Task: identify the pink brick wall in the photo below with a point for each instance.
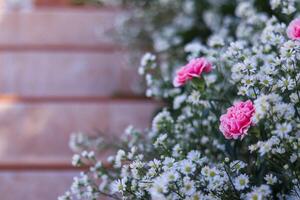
(61, 70)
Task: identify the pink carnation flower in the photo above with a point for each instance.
(293, 30)
(193, 69)
(238, 119)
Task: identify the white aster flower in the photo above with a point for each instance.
(118, 186)
(160, 140)
(194, 98)
(294, 98)
(168, 163)
(178, 101)
(241, 182)
(237, 165)
(76, 160)
(282, 130)
(193, 156)
(171, 175)
(271, 179)
(161, 121)
(187, 167)
(286, 84)
(158, 188)
(293, 157)
(188, 186)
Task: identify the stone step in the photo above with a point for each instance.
(40, 132)
(44, 73)
(60, 28)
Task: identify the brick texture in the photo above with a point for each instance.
(33, 185)
(40, 132)
(60, 27)
(62, 70)
(67, 74)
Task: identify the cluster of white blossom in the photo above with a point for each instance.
(184, 154)
(286, 6)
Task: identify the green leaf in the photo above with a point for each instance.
(198, 84)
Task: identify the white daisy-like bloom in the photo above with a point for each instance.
(278, 150)
(148, 57)
(254, 196)
(267, 146)
(159, 187)
(252, 148)
(194, 156)
(119, 157)
(149, 92)
(294, 98)
(271, 179)
(155, 163)
(76, 160)
(289, 8)
(235, 49)
(287, 51)
(293, 157)
(178, 101)
(284, 110)
(161, 120)
(264, 148)
(210, 173)
(135, 168)
(118, 186)
(216, 41)
(160, 140)
(171, 175)
(194, 49)
(132, 152)
(148, 60)
(188, 186)
(204, 139)
(258, 193)
(187, 167)
(194, 98)
(275, 4)
(262, 107)
(66, 196)
(286, 83)
(243, 91)
(269, 69)
(245, 9)
(149, 79)
(248, 81)
(168, 163)
(241, 182)
(104, 182)
(216, 182)
(198, 196)
(265, 190)
(282, 130)
(237, 165)
(265, 80)
(249, 65)
(176, 151)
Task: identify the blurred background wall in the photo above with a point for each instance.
(61, 70)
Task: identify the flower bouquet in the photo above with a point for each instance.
(231, 125)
